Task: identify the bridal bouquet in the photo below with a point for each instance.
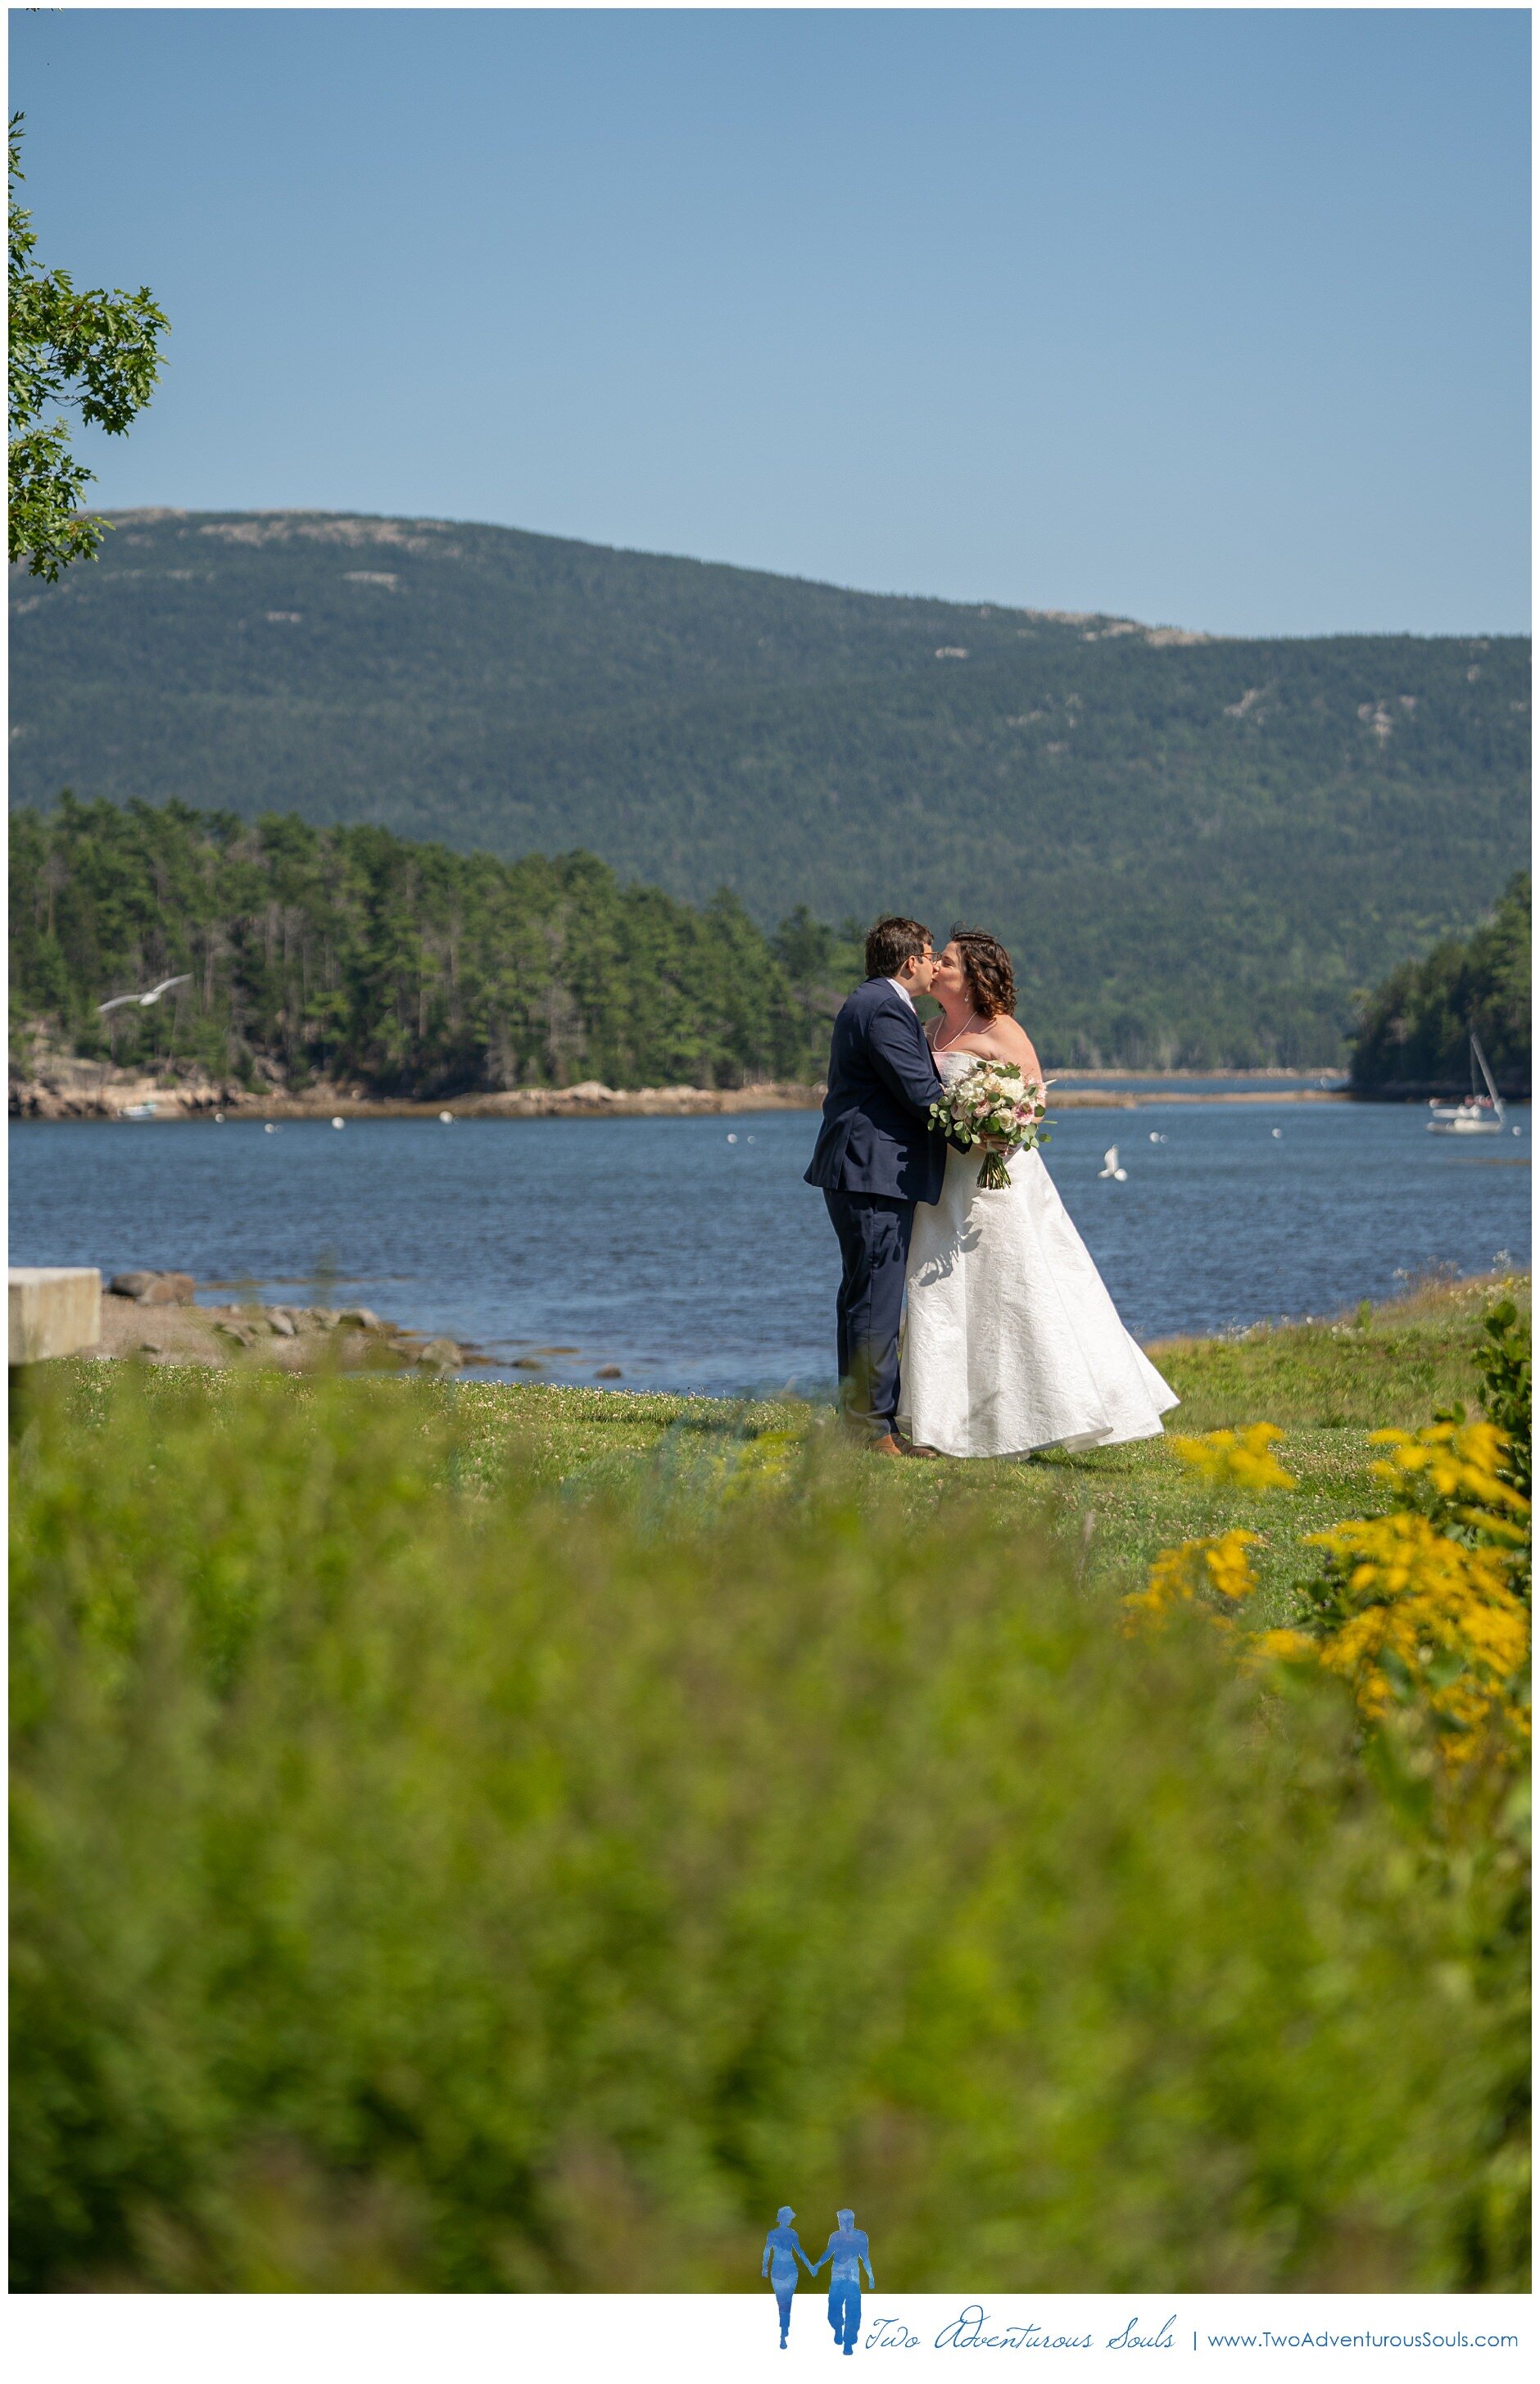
(993, 1104)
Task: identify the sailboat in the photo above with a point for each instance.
(1479, 1112)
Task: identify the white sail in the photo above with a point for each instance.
(1480, 1056)
(1475, 1115)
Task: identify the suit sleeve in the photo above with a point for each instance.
(902, 1058)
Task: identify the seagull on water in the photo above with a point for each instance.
(143, 1000)
(1110, 1166)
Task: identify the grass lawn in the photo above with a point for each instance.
(1326, 1383)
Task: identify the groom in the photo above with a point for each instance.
(876, 1155)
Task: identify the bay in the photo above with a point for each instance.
(689, 1252)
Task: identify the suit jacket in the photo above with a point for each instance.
(876, 1134)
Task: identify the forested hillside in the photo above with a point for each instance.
(1197, 847)
(347, 953)
(1416, 1028)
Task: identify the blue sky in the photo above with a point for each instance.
(1208, 318)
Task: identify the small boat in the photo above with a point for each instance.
(1479, 1112)
(137, 1110)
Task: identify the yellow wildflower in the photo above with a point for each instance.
(1284, 1647)
(1428, 1618)
(1461, 1464)
(1237, 1461)
(1183, 1576)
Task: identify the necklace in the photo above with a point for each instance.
(939, 1046)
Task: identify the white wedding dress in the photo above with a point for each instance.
(1011, 1340)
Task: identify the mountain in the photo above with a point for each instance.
(1197, 847)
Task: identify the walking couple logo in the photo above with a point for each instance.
(848, 2253)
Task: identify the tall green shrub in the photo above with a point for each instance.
(428, 1883)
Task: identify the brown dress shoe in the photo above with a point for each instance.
(886, 1447)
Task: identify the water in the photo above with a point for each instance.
(689, 1252)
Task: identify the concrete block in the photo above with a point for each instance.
(53, 1311)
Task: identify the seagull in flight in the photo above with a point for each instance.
(1110, 1166)
(143, 1000)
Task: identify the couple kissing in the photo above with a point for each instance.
(971, 1320)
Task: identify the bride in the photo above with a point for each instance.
(1011, 1341)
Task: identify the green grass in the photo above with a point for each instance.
(482, 1839)
(1327, 1383)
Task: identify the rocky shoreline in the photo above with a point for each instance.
(59, 1086)
(161, 1104)
(84, 1089)
(151, 1314)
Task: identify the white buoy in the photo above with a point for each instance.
(219, 1119)
(339, 1123)
(269, 1127)
(446, 1117)
(1277, 1133)
(732, 1138)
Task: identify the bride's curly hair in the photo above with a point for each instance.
(986, 966)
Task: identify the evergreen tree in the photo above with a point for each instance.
(403, 967)
(1415, 1032)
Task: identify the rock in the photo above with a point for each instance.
(606, 1373)
(238, 1333)
(280, 1321)
(151, 1288)
(361, 1320)
(443, 1354)
(529, 1365)
(130, 1285)
(326, 1319)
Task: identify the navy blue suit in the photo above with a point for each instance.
(876, 1155)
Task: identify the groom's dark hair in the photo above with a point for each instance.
(893, 941)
